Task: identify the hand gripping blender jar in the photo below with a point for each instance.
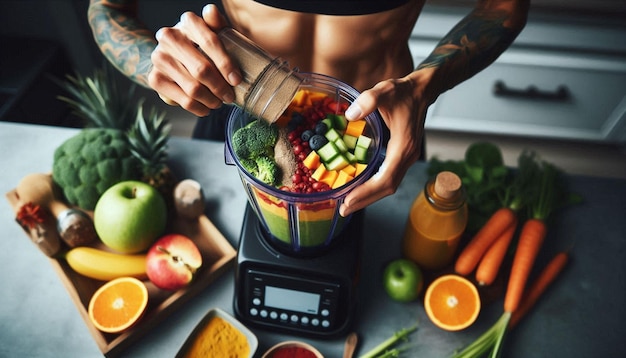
(305, 223)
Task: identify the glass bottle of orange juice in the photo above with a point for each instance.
(436, 222)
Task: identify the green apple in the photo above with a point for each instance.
(403, 280)
(130, 216)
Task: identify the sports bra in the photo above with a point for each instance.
(335, 7)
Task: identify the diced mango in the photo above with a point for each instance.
(312, 161)
(300, 98)
(315, 96)
(319, 173)
(360, 167)
(356, 128)
(329, 177)
(350, 170)
(342, 178)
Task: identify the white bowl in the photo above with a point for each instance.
(216, 312)
(289, 344)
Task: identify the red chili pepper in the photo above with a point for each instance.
(30, 215)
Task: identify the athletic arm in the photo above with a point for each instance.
(474, 43)
(122, 38)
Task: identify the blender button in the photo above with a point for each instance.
(294, 318)
(305, 320)
(315, 322)
(253, 311)
(256, 301)
(283, 316)
(325, 323)
(325, 312)
(273, 315)
(263, 313)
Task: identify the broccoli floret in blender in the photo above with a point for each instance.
(267, 170)
(253, 145)
(254, 140)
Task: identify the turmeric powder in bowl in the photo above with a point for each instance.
(219, 335)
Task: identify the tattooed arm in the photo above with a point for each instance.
(124, 40)
(469, 47)
(475, 42)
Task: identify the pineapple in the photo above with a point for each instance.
(98, 100)
(148, 142)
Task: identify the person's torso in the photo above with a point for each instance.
(358, 49)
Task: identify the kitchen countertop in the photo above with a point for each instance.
(582, 314)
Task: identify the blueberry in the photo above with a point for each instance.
(296, 121)
(306, 135)
(321, 128)
(297, 118)
(317, 141)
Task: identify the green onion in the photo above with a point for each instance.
(490, 341)
(383, 350)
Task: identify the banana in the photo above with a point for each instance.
(104, 265)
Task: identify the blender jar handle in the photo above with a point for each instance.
(228, 157)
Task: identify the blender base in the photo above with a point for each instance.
(310, 296)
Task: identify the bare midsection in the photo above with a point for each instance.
(360, 50)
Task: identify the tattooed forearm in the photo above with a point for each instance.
(122, 38)
(470, 46)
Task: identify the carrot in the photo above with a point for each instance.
(545, 278)
(489, 266)
(530, 240)
(499, 221)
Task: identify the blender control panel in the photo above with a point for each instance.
(292, 302)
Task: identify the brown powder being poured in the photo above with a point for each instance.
(285, 157)
(268, 85)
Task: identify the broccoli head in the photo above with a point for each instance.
(254, 140)
(90, 162)
(267, 170)
(250, 166)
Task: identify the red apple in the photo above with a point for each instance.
(172, 262)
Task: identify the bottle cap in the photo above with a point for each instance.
(447, 184)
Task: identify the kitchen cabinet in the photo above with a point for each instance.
(561, 79)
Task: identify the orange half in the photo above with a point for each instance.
(118, 304)
(452, 302)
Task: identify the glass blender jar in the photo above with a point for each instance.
(304, 223)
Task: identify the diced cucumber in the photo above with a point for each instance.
(351, 157)
(328, 152)
(363, 141)
(350, 141)
(341, 145)
(339, 122)
(361, 154)
(338, 163)
(329, 122)
(332, 135)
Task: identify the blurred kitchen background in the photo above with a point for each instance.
(559, 90)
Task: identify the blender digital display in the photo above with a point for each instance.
(293, 300)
